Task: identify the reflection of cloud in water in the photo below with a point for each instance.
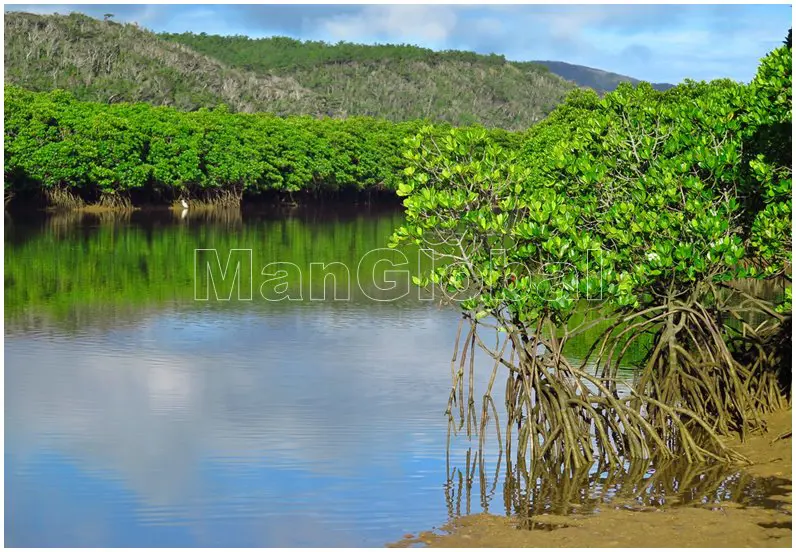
(153, 405)
(170, 389)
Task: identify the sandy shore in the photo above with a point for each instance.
(767, 523)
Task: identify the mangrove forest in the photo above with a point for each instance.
(618, 260)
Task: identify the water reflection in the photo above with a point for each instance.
(137, 417)
(529, 492)
(201, 422)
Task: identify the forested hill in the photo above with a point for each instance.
(597, 79)
(288, 56)
(109, 62)
(398, 82)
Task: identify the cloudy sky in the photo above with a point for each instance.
(663, 43)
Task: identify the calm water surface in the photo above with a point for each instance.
(136, 416)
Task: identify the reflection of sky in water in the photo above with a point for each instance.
(221, 424)
(316, 426)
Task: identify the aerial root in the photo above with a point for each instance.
(570, 417)
(115, 202)
(62, 199)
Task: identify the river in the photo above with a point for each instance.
(136, 415)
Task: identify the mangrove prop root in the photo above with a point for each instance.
(533, 489)
(766, 350)
(115, 202)
(566, 416)
(62, 199)
(724, 381)
(216, 198)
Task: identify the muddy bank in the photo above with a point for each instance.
(761, 521)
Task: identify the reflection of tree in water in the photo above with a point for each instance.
(62, 224)
(145, 259)
(229, 216)
(531, 491)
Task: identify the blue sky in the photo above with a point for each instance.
(663, 43)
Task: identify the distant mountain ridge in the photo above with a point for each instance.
(597, 79)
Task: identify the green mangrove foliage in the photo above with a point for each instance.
(646, 202)
(767, 117)
(72, 150)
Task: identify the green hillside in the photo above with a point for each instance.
(397, 82)
(107, 61)
(111, 62)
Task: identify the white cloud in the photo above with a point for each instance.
(489, 26)
(402, 23)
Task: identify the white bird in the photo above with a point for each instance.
(184, 204)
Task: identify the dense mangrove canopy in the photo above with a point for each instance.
(650, 204)
(57, 145)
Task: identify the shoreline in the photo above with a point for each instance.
(762, 522)
(263, 200)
